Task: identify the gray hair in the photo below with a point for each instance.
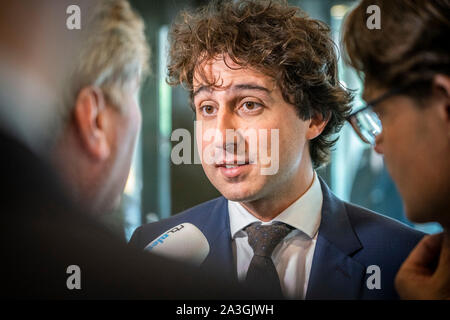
(114, 53)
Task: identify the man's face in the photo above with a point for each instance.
(247, 100)
(123, 132)
(415, 152)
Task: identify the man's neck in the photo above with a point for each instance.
(269, 207)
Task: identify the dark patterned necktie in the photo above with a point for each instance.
(262, 275)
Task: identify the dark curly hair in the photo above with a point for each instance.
(276, 39)
(411, 46)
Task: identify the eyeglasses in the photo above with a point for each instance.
(366, 122)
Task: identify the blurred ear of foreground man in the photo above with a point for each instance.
(67, 104)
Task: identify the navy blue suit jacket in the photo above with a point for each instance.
(350, 240)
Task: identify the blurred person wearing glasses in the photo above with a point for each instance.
(406, 71)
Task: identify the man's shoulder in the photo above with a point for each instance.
(385, 242)
(195, 215)
(370, 225)
(373, 230)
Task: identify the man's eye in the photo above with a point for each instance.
(208, 110)
(251, 106)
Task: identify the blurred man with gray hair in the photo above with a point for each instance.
(101, 118)
(51, 245)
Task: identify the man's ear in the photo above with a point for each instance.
(441, 91)
(89, 121)
(316, 125)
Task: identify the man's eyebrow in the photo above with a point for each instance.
(245, 86)
(200, 89)
(250, 87)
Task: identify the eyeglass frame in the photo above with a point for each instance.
(371, 104)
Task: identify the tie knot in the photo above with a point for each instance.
(264, 239)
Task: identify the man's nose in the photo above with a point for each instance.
(226, 138)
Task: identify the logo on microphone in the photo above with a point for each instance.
(164, 236)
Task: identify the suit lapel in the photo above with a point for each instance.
(334, 274)
(217, 230)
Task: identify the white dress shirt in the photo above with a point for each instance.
(293, 256)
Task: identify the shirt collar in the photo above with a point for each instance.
(304, 214)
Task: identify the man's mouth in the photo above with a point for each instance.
(232, 170)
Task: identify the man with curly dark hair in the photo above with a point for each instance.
(268, 67)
